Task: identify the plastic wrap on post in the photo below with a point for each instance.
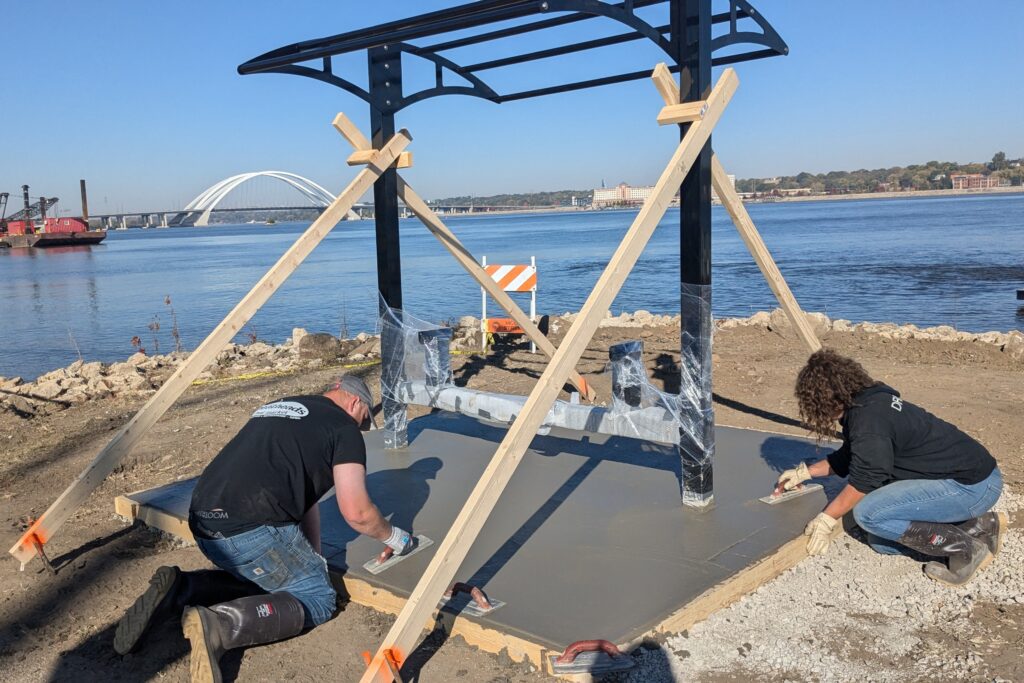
(634, 397)
(412, 350)
(697, 418)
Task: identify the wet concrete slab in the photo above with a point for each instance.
(589, 539)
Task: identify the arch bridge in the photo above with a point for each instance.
(198, 211)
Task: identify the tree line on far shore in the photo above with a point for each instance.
(934, 175)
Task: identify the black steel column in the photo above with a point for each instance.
(385, 71)
(691, 36)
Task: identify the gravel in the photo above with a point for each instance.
(851, 614)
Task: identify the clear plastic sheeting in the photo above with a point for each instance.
(412, 350)
(697, 416)
(639, 409)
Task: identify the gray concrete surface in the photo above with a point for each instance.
(589, 540)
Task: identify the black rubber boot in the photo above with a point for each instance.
(989, 529)
(170, 589)
(240, 623)
(964, 554)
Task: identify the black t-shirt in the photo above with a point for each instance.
(277, 467)
(887, 439)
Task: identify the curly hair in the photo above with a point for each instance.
(825, 388)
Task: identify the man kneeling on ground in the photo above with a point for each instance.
(914, 482)
(254, 515)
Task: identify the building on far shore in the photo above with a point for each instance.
(976, 181)
(624, 194)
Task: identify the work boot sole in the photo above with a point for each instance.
(935, 577)
(139, 617)
(204, 666)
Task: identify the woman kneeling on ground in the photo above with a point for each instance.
(913, 481)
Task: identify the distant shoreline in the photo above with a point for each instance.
(910, 194)
(893, 195)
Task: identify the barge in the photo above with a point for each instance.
(31, 227)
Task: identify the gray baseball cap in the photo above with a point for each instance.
(357, 387)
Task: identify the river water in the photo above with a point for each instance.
(930, 261)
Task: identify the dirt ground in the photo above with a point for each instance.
(55, 628)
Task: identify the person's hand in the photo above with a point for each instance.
(820, 531)
(790, 479)
(400, 542)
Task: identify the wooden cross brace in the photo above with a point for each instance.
(42, 530)
(450, 242)
(405, 632)
(674, 112)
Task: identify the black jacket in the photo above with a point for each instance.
(887, 439)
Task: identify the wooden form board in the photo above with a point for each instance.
(450, 242)
(679, 113)
(405, 632)
(43, 528)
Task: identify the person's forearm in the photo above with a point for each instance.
(820, 469)
(371, 523)
(844, 502)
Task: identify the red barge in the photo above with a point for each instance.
(31, 227)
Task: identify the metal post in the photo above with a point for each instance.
(85, 204)
(626, 358)
(533, 303)
(691, 37)
(385, 71)
(483, 310)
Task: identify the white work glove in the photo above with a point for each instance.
(820, 531)
(790, 479)
(400, 541)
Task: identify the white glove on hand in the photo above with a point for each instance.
(400, 541)
(790, 479)
(820, 531)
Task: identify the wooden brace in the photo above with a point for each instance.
(452, 551)
(42, 529)
(450, 242)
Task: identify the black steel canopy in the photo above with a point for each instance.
(689, 43)
(393, 38)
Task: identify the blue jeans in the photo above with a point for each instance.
(278, 559)
(886, 513)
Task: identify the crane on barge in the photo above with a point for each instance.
(31, 227)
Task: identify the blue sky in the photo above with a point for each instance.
(144, 101)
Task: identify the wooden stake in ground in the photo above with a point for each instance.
(42, 529)
(447, 238)
(405, 632)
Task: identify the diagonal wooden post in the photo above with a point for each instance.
(450, 242)
(676, 113)
(445, 236)
(405, 632)
(42, 529)
(752, 238)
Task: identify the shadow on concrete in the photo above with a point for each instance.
(400, 494)
(783, 453)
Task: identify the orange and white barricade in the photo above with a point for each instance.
(516, 278)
